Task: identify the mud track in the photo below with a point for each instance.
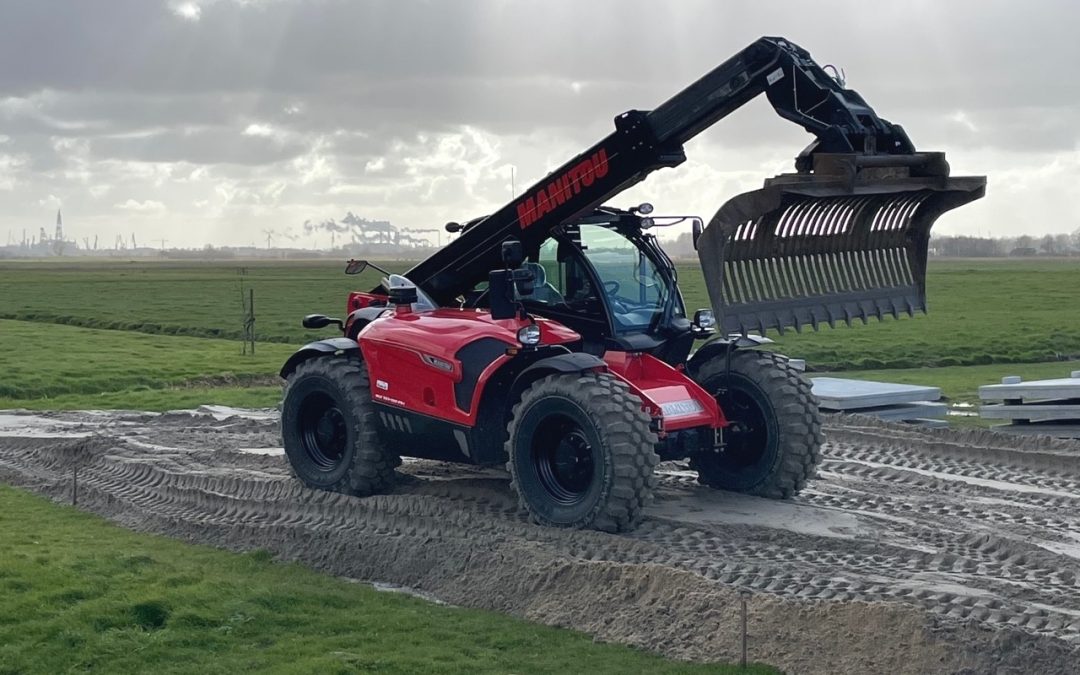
(913, 552)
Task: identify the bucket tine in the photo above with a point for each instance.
(807, 249)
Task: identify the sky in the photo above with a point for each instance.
(213, 121)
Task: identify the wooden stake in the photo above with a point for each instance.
(742, 661)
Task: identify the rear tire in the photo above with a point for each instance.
(581, 452)
(774, 444)
(329, 428)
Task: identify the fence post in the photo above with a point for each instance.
(251, 319)
(742, 660)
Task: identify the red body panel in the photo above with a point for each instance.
(359, 300)
(412, 362)
(666, 392)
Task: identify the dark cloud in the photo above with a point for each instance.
(412, 107)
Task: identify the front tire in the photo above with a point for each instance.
(773, 445)
(329, 428)
(581, 452)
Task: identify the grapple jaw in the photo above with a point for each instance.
(847, 241)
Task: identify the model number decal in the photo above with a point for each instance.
(387, 399)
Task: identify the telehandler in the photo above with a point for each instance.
(551, 335)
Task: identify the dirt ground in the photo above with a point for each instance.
(915, 551)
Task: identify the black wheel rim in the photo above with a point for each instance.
(323, 432)
(746, 439)
(563, 457)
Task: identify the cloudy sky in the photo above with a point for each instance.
(212, 120)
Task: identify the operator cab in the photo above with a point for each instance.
(608, 279)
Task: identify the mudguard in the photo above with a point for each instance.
(574, 362)
(365, 315)
(338, 345)
(722, 346)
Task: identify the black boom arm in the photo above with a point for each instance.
(797, 87)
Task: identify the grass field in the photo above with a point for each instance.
(78, 594)
(981, 311)
(58, 367)
(172, 353)
(184, 298)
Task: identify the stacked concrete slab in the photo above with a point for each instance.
(1048, 407)
(884, 400)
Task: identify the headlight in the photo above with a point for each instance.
(529, 335)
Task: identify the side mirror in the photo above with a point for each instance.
(358, 266)
(316, 321)
(513, 254)
(704, 321)
(696, 228)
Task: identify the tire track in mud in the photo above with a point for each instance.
(923, 542)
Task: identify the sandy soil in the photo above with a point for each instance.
(916, 551)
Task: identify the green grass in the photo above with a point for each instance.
(51, 366)
(180, 298)
(79, 594)
(981, 312)
(997, 311)
(155, 400)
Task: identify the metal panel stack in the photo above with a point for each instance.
(1047, 407)
(884, 400)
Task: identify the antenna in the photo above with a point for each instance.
(513, 189)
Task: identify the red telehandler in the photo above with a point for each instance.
(551, 335)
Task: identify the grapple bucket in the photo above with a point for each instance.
(848, 241)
